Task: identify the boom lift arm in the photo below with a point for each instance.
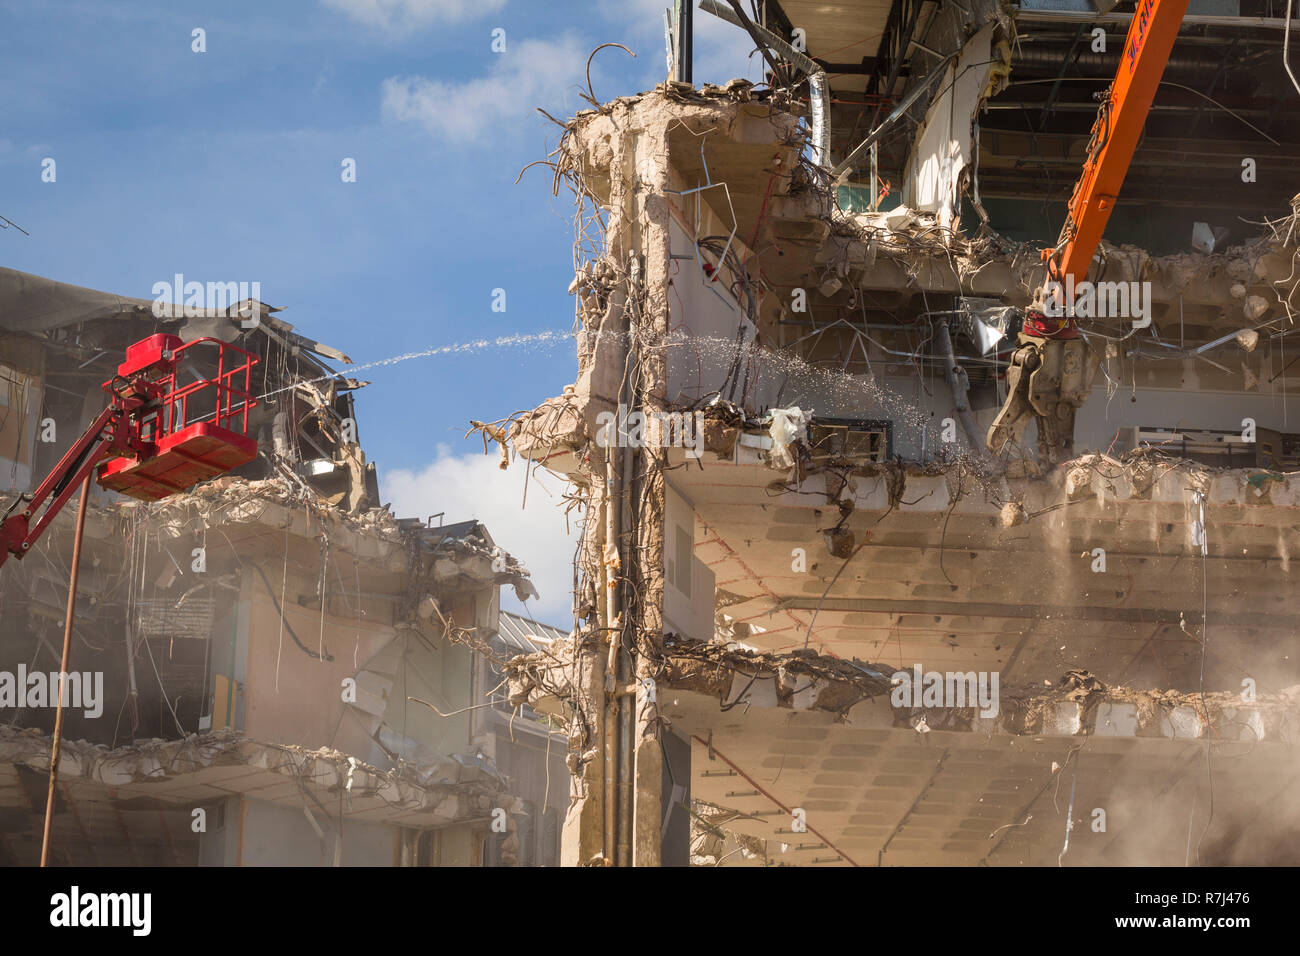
(165, 436)
(110, 432)
(1051, 370)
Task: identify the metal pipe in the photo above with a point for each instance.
(1123, 19)
(819, 100)
(609, 700)
(1286, 43)
(961, 398)
(626, 711)
(958, 383)
(684, 37)
(875, 175)
(132, 689)
(625, 670)
(847, 164)
(56, 744)
(617, 763)
(1019, 107)
(612, 702)
(1196, 60)
(819, 107)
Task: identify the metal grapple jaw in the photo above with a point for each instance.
(1047, 380)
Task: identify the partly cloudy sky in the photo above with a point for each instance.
(225, 166)
(473, 486)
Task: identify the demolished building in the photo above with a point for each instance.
(796, 303)
(275, 680)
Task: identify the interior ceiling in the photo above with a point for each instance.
(954, 590)
(845, 38)
(146, 822)
(1224, 96)
(90, 826)
(841, 33)
(894, 797)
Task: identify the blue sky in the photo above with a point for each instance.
(225, 166)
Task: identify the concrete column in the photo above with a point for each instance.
(582, 838)
(652, 336)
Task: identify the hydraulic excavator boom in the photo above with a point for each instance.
(1050, 372)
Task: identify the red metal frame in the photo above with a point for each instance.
(156, 449)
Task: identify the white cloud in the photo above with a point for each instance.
(410, 15)
(549, 72)
(529, 74)
(472, 486)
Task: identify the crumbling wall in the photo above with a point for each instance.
(876, 286)
(618, 159)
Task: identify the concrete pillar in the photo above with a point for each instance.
(649, 493)
(636, 248)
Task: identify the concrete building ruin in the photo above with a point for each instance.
(795, 303)
(283, 669)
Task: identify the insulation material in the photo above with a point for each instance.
(789, 426)
(191, 617)
(944, 142)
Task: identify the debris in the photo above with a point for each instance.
(789, 427)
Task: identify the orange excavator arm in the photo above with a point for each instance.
(1115, 135)
(1050, 373)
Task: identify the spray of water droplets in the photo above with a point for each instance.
(460, 348)
(798, 381)
(792, 379)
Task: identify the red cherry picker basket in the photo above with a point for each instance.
(160, 434)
